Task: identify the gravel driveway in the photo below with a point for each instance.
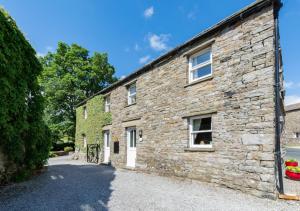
(75, 185)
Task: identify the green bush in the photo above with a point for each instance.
(68, 149)
(25, 138)
(52, 155)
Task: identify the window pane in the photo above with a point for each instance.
(205, 124)
(131, 138)
(196, 124)
(134, 138)
(107, 104)
(201, 58)
(202, 124)
(132, 89)
(133, 98)
(202, 138)
(107, 100)
(107, 139)
(202, 71)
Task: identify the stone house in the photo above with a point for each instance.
(204, 110)
(292, 125)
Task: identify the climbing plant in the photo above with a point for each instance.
(24, 136)
(92, 126)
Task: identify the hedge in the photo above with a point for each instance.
(24, 136)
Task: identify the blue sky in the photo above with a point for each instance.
(134, 32)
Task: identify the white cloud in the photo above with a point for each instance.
(144, 59)
(291, 85)
(123, 76)
(288, 85)
(39, 54)
(291, 99)
(159, 42)
(137, 47)
(192, 15)
(149, 12)
(49, 48)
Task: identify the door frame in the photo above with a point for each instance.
(107, 138)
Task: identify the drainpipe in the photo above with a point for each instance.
(277, 5)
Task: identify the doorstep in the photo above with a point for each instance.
(289, 197)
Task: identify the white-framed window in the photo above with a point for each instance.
(131, 94)
(200, 129)
(297, 135)
(85, 112)
(84, 140)
(200, 65)
(107, 103)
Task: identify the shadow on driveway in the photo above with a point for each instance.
(63, 187)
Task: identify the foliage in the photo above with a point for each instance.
(68, 149)
(52, 155)
(60, 145)
(24, 135)
(70, 75)
(291, 160)
(293, 169)
(92, 126)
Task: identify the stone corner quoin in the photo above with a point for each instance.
(238, 97)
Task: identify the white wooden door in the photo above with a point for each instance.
(106, 146)
(131, 146)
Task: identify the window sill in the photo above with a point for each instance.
(130, 105)
(199, 81)
(199, 149)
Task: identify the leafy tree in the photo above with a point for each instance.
(70, 75)
(24, 135)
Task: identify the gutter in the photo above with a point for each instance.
(278, 109)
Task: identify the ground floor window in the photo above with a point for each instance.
(84, 140)
(200, 129)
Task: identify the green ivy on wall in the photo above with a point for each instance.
(92, 126)
(25, 139)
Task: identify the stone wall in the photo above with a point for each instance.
(2, 167)
(292, 126)
(7, 168)
(239, 96)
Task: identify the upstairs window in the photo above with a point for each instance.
(200, 65)
(107, 104)
(297, 135)
(201, 131)
(132, 94)
(85, 112)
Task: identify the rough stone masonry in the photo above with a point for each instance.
(239, 97)
(291, 134)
